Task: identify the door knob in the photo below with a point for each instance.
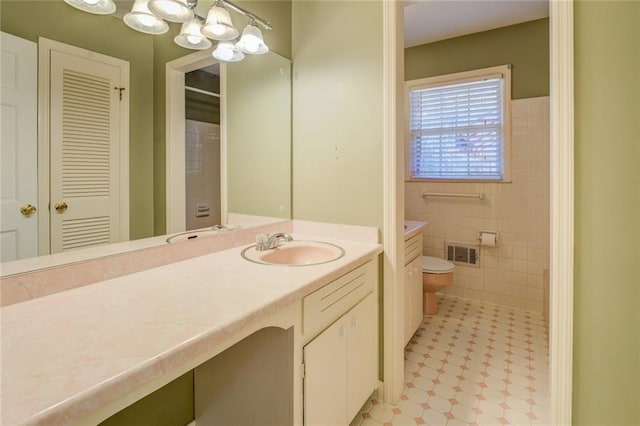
(61, 206)
(28, 210)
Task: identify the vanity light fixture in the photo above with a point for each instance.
(251, 41)
(226, 52)
(191, 37)
(99, 7)
(141, 19)
(173, 10)
(149, 16)
(218, 25)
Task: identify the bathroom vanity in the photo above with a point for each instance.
(249, 331)
(412, 277)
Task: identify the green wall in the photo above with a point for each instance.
(171, 405)
(525, 46)
(259, 161)
(338, 112)
(606, 374)
(107, 35)
(165, 50)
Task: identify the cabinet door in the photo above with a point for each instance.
(408, 293)
(362, 354)
(416, 295)
(325, 381)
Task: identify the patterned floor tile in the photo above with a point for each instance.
(471, 364)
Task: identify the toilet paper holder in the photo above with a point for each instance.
(488, 238)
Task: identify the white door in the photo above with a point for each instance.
(18, 231)
(85, 113)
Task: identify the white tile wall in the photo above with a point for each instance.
(202, 173)
(511, 273)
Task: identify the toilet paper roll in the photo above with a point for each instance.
(487, 239)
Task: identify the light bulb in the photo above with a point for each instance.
(218, 25)
(146, 20)
(98, 7)
(217, 29)
(194, 39)
(171, 10)
(141, 19)
(251, 44)
(251, 41)
(226, 54)
(190, 36)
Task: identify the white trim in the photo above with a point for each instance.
(175, 136)
(562, 210)
(44, 69)
(45, 46)
(224, 190)
(393, 297)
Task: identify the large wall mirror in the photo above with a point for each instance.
(253, 127)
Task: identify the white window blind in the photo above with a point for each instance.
(457, 130)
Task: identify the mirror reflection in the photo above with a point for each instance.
(236, 138)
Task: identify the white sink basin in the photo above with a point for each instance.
(295, 253)
(192, 235)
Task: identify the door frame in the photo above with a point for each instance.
(45, 46)
(561, 215)
(175, 137)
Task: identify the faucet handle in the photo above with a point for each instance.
(262, 241)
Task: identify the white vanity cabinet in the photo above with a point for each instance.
(412, 285)
(341, 357)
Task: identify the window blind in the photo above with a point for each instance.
(456, 130)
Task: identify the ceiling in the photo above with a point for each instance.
(426, 21)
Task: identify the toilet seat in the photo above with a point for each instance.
(433, 265)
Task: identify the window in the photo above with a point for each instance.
(459, 126)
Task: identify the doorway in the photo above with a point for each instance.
(176, 176)
(202, 148)
(561, 195)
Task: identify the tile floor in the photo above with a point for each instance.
(471, 364)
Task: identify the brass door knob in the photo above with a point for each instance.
(28, 210)
(61, 206)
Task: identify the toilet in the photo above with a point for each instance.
(436, 275)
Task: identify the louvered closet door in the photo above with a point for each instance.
(84, 152)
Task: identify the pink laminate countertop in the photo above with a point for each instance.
(67, 355)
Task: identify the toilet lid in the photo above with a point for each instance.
(434, 265)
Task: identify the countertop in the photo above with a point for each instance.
(412, 228)
(67, 355)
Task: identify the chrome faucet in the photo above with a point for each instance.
(264, 242)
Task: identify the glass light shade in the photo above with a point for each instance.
(190, 36)
(218, 25)
(141, 19)
(99, 7)
(251, 41)
(226, 52)
(171, 10)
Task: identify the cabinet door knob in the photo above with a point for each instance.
(61, 206)
(27, 210)
(354, 322)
